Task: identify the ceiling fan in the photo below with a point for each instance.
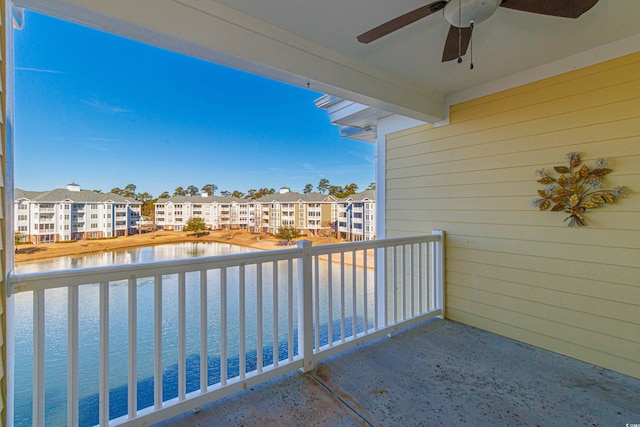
(464, 14)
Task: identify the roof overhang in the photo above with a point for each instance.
(312, 44)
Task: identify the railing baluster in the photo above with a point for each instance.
(104, 354)
(412, 280)
(330, 300)
(276, 355)
(379, 289)
(157, 342)
(421, 281)
(290, 308)
(132, 389)
(72, 348)
(365, 297)
(403, 271)
(223, 326)
(204, 328)
(242, 313)
(394, 266)
(260, 361)
(385, 294)
(354, 290)
(429, 275)
(38, 358)
(316, 311)
(182, 337)
(342, 310)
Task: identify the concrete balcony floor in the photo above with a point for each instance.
(438, 373)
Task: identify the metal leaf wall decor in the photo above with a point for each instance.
(576, 189)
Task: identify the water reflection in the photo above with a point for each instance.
(133, 256)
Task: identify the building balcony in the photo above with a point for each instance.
(429, 372)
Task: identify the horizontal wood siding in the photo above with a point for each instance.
(512, 269)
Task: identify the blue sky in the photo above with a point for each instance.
(104, 111)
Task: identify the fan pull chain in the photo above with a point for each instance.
(459, 31)
(471, 41)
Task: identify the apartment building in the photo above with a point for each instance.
(218, 213)
(357, 219)
(314, 214)
(71, 213)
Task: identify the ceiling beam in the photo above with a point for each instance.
(216, 33)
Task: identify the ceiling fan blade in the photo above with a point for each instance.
(401, 21)
(453, 48)
(561, 8)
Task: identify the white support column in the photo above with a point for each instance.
(305, 306)
(387, 125)
(6, 210)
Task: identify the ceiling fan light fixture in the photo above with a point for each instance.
(461, 13)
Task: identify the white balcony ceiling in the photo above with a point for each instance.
(315, 41)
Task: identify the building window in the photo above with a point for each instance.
(22, 217)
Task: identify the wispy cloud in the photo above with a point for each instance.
(100, 143)
(103, 139)
(105, 107)
(367, 157)
(97, 147)
(306, 166)
(39, 70)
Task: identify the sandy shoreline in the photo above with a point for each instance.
(34, 253)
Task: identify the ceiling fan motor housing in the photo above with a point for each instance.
(460, 13)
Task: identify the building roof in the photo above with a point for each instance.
(292, 197)
(200, 199)
(288, 197)
(361, 196)
(63, 194)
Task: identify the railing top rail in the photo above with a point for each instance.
(76, 277)
(373, 244)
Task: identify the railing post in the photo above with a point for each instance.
(439, 271)
(305, 306)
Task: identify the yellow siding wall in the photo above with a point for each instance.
(514, 270)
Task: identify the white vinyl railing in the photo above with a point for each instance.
(239, 320)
